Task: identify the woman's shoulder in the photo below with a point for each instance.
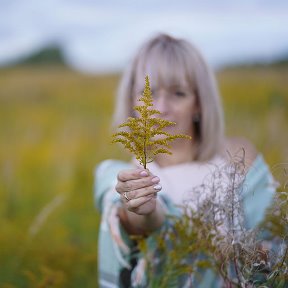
(241, 146)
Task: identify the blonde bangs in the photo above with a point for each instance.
(165, 66)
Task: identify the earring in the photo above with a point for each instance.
(196, 118)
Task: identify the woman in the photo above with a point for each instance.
(184, 91)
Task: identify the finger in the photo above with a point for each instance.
(133, 204)
(137, 184)
(132, 174)
(146, 191)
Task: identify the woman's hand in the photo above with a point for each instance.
(138, 189)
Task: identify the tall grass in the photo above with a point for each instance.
(54, 128)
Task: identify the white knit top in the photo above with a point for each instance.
(178, 180)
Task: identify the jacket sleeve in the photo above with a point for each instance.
(105, 179)
(259, 189)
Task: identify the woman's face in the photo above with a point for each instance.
(176, 103)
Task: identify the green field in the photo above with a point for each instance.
(55, 127)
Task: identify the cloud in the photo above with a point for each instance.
(102, 35)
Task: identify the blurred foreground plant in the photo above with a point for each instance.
(211, 235)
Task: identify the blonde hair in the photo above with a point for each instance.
(169, 60)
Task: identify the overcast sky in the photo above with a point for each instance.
(101, 36)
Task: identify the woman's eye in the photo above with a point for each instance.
(180, 93)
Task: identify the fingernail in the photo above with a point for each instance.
(143, 173)
(155, 179)
(158, 187)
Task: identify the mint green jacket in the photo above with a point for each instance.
(115, 257)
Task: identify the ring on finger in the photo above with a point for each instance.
(126, 196)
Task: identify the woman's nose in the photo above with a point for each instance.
(161, 103)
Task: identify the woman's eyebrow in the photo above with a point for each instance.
(178, 86)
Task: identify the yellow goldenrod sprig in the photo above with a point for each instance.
(140, 139)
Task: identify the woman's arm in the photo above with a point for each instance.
(142, 224)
